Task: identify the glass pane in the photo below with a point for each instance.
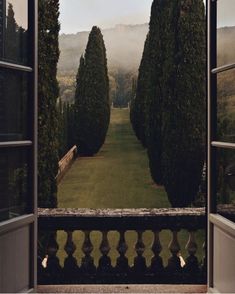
(225, 32)
(14, 30)
(226, 106)
(13, 183)
(13, 105)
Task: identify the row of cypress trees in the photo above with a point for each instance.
(168, 110)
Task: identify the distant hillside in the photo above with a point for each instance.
(226, 45)
(124, 45)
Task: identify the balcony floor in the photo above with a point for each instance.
(122, 289)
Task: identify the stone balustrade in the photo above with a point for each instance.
(85, 271)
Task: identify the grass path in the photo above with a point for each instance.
(117, 177)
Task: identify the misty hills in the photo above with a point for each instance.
(124, 45)
(226, 45)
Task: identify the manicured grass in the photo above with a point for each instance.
(117, 177)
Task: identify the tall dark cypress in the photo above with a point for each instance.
(137, 111)
(161, 52)
(184, 142)
(80, 80)
(92, 96)
(48, 92)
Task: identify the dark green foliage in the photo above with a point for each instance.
(184, 121)
(80, 80)
(161, 43)
(137, 113)
(92, 105)
(123, 90)
(67, 140)
(168, 112)
(48, 92)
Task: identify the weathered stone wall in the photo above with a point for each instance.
(65, 163)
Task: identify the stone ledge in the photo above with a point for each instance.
(123, 289)
(122, 219)
(140, 212)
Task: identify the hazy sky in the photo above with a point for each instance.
(226, 10)
(80, 15)
(20, 10)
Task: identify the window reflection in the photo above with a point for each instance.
(226, 183)
(225, 32)
(13, 183)
(13, 30)
(226, 106)
(13, 105)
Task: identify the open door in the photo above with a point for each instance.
(18, 145)
(221, 146)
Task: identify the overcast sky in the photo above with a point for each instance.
(80, 15)
(20, 10)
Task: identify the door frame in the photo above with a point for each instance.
(214, 220)
(28, 220)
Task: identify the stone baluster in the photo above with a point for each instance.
(139, 260)
(122, 261)
(156, 262)
(53, 269)
(105, 266)
(174, 264)
(192, 265)
(70, 264)
(87, 264)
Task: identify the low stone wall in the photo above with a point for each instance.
(65, 163)
(120, 268)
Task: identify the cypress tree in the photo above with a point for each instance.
(79, 80)
(92, 99)
(137, 113)
(184, 122)
(48, 92)
(161, 52)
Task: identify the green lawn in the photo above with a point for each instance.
(117, 177)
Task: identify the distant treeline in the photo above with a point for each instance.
(120, 86)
